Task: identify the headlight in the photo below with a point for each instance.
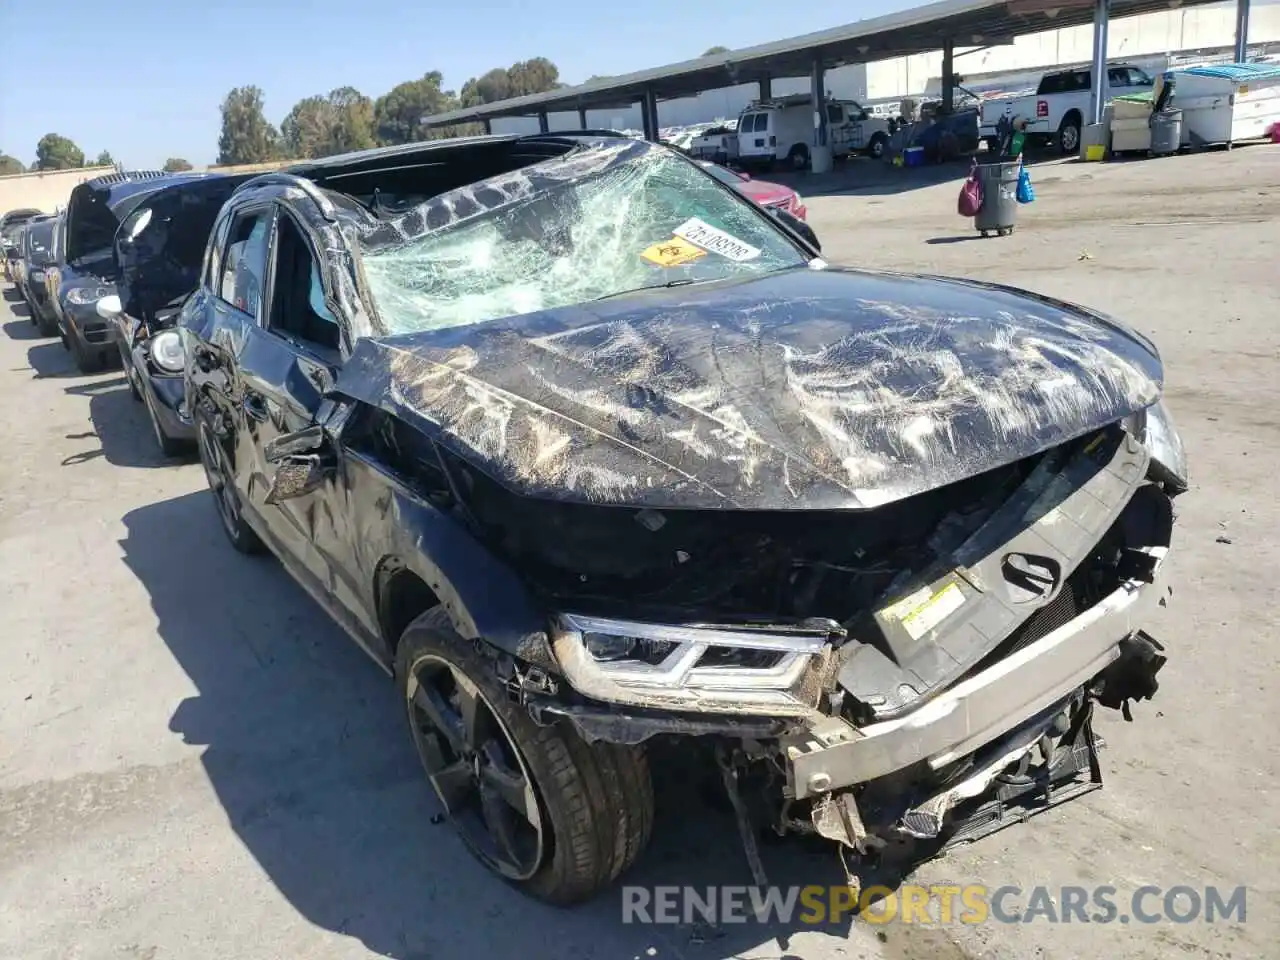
(86, 295)
(37, 276)
(691, 668)
(166, 351)
(1165, 446)
(797, 201)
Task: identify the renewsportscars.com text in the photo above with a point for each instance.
(934, 904)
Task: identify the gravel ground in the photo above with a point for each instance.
(194, 763)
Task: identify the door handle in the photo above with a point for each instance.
(254, 405)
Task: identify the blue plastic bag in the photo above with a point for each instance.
(1026, 194)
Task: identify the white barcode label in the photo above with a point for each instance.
(717, 241)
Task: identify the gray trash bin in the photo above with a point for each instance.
(999, 211)
(1166, 132)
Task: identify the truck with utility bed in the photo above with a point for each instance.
(1055, 113)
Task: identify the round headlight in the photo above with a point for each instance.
(166, 351)
(89, 294)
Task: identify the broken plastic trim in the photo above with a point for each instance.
(677, 681)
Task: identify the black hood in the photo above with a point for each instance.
(801, 390)
(97, 206)
(161, 265)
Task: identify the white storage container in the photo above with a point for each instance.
(1227, 102)
(1130, 123)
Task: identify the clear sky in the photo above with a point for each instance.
(144, 79)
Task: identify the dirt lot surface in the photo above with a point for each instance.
(194, 763)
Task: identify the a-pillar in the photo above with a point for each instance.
(543, 126)
(582, 118)
(649, 114)
(1098, 83)
(820, 150)
(766, 88)
(1242, 30)
(948, 76)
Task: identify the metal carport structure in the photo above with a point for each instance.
(937, 26)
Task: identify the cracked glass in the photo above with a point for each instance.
(651, 220)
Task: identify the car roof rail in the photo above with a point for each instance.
(280, 178)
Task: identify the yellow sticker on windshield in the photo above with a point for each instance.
(673, 252)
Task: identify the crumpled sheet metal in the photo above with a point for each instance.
(804, 389)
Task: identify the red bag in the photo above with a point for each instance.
(970, 195)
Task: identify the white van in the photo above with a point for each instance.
(782, 130)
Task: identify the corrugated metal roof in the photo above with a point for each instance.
(919, 30)
(1236, 72)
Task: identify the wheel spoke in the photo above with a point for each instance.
(455, 785)
(511, 788)
(469, 710)
(427, 699)
(501, 823)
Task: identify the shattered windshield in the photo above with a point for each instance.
(647, 219)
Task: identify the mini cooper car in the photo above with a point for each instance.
(585, 448)
(86, 265)
(158, 251)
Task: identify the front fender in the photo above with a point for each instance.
(485, 598)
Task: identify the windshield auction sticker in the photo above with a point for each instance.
(717, 241)
(672, 253)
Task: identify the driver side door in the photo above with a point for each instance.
(287, 363)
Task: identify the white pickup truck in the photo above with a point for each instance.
(1057, 109)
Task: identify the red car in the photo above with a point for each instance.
(763, 192)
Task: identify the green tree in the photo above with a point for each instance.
(712, 51)
(322, 126)
(56, 152)
(176, 165)
(10, 165)
(520, 79)
(494, 85)
(307, 128)
(398, 114)
(353, 123)
(104, 159)
(246, 135)
(532, 76)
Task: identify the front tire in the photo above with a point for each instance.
(86, 360)
(226, 499)
(553, 815)
(875, 149)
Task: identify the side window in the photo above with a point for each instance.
(1084, 80)
(298, 310)
(243, 271)
(1118, 77)
(834, 113)
(213, 256)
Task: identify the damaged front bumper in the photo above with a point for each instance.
(833, 753)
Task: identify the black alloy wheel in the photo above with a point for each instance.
(217, 470)
(475, 767)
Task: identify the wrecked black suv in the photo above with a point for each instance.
(587, 449)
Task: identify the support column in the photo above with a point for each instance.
(948, 76)
(1098, 84)
(582, 118)
(818, 97)
(488, 125)
(543, 127)
(649, 110)
(820, 150)
(1242, 30)
(766, 88)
